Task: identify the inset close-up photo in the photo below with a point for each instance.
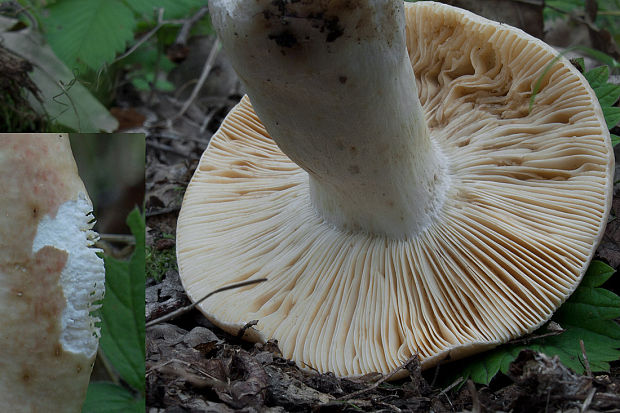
(271, 206)
(71, 272)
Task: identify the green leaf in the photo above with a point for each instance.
(597, 76)
(612, 115)
(607, 93)
(141, 65)
(122, 313)
(598, 273)
(588, 315)
(89, 32)
(615, 139)
(103, 397)
(74, 107)
(483, 367)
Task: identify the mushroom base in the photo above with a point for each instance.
(398, 204)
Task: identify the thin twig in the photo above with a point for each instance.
(155, 367)
(163, 211)
(390, 406)
(160, 23)
(119, 238)
(206, 69)
(243, 329)
(475, 400)
(527, 340)
(435, 374)
(189, 23)
(585, 358)
(190, 307)
(588, 400)
(314, 369)
(381, 380)
(450, 387)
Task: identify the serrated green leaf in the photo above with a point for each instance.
(612, 115)
(172, 8)
(103, 397)
(89, 32)
(483, 367)
(588, 315)
(597, 76)
(598, 273)
(607, 94)
(600, 349)
(615, 139)
(122, 313)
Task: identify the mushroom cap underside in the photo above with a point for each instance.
(529, 195)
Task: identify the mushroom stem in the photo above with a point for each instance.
(333, 85)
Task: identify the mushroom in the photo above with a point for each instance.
(51, 278)
(391, 182)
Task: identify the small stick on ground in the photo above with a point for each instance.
(187, 26)
(435, 374)
(588, 400)
(118, 238)
(585, 359)
(312, 368)
(190, 307)
(527, 340)
(450, 387)
(206, 69)
(160, 23)
(380, 381)
(475, 401)
(243, 329)
(389, 406)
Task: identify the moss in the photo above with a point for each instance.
(160, 261)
